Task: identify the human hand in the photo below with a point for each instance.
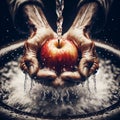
(87, 66)
(29, 62)
(89, 62)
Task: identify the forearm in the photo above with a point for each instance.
(16, 8)
(92, 16)
(34, 17)
(105, 5)
(81, 27)
(85, 17)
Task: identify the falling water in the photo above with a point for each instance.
(88, 85)
(94, 80)
(26, 85)
(31, 86)
(59, 11)
(25, 81)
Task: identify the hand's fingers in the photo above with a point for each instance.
(94, 67)
(34, 66)
(72, 76)
(46, 74)
(23, 65)
(89, 62)
(84, 67)
(88, 66)
(29, 64)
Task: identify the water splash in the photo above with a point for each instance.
(28, 85)
(108, 87)
(59, 11)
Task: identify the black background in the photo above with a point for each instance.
(110, 34)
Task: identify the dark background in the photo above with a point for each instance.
(110, 34)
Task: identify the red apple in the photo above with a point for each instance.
(59, 55)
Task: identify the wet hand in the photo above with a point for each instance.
(29, 62)
(89, 62)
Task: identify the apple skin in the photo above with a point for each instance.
(59, 56)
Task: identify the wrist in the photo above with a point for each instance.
(34, 17)
(87, 48)
(78, 35)
(41, 35)
(85, 15)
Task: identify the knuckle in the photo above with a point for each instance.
(23, 67)
(94, 68)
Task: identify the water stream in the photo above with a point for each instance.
(59, 12)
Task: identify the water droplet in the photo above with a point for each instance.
(64, 69)
(43, 63)
(71, 66)
(44, 59)
(7, 31)
(54, 67)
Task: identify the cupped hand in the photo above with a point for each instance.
(29, 62)
(89, 62)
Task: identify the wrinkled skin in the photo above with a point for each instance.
(88, 64)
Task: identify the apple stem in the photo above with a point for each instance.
(58, 43)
